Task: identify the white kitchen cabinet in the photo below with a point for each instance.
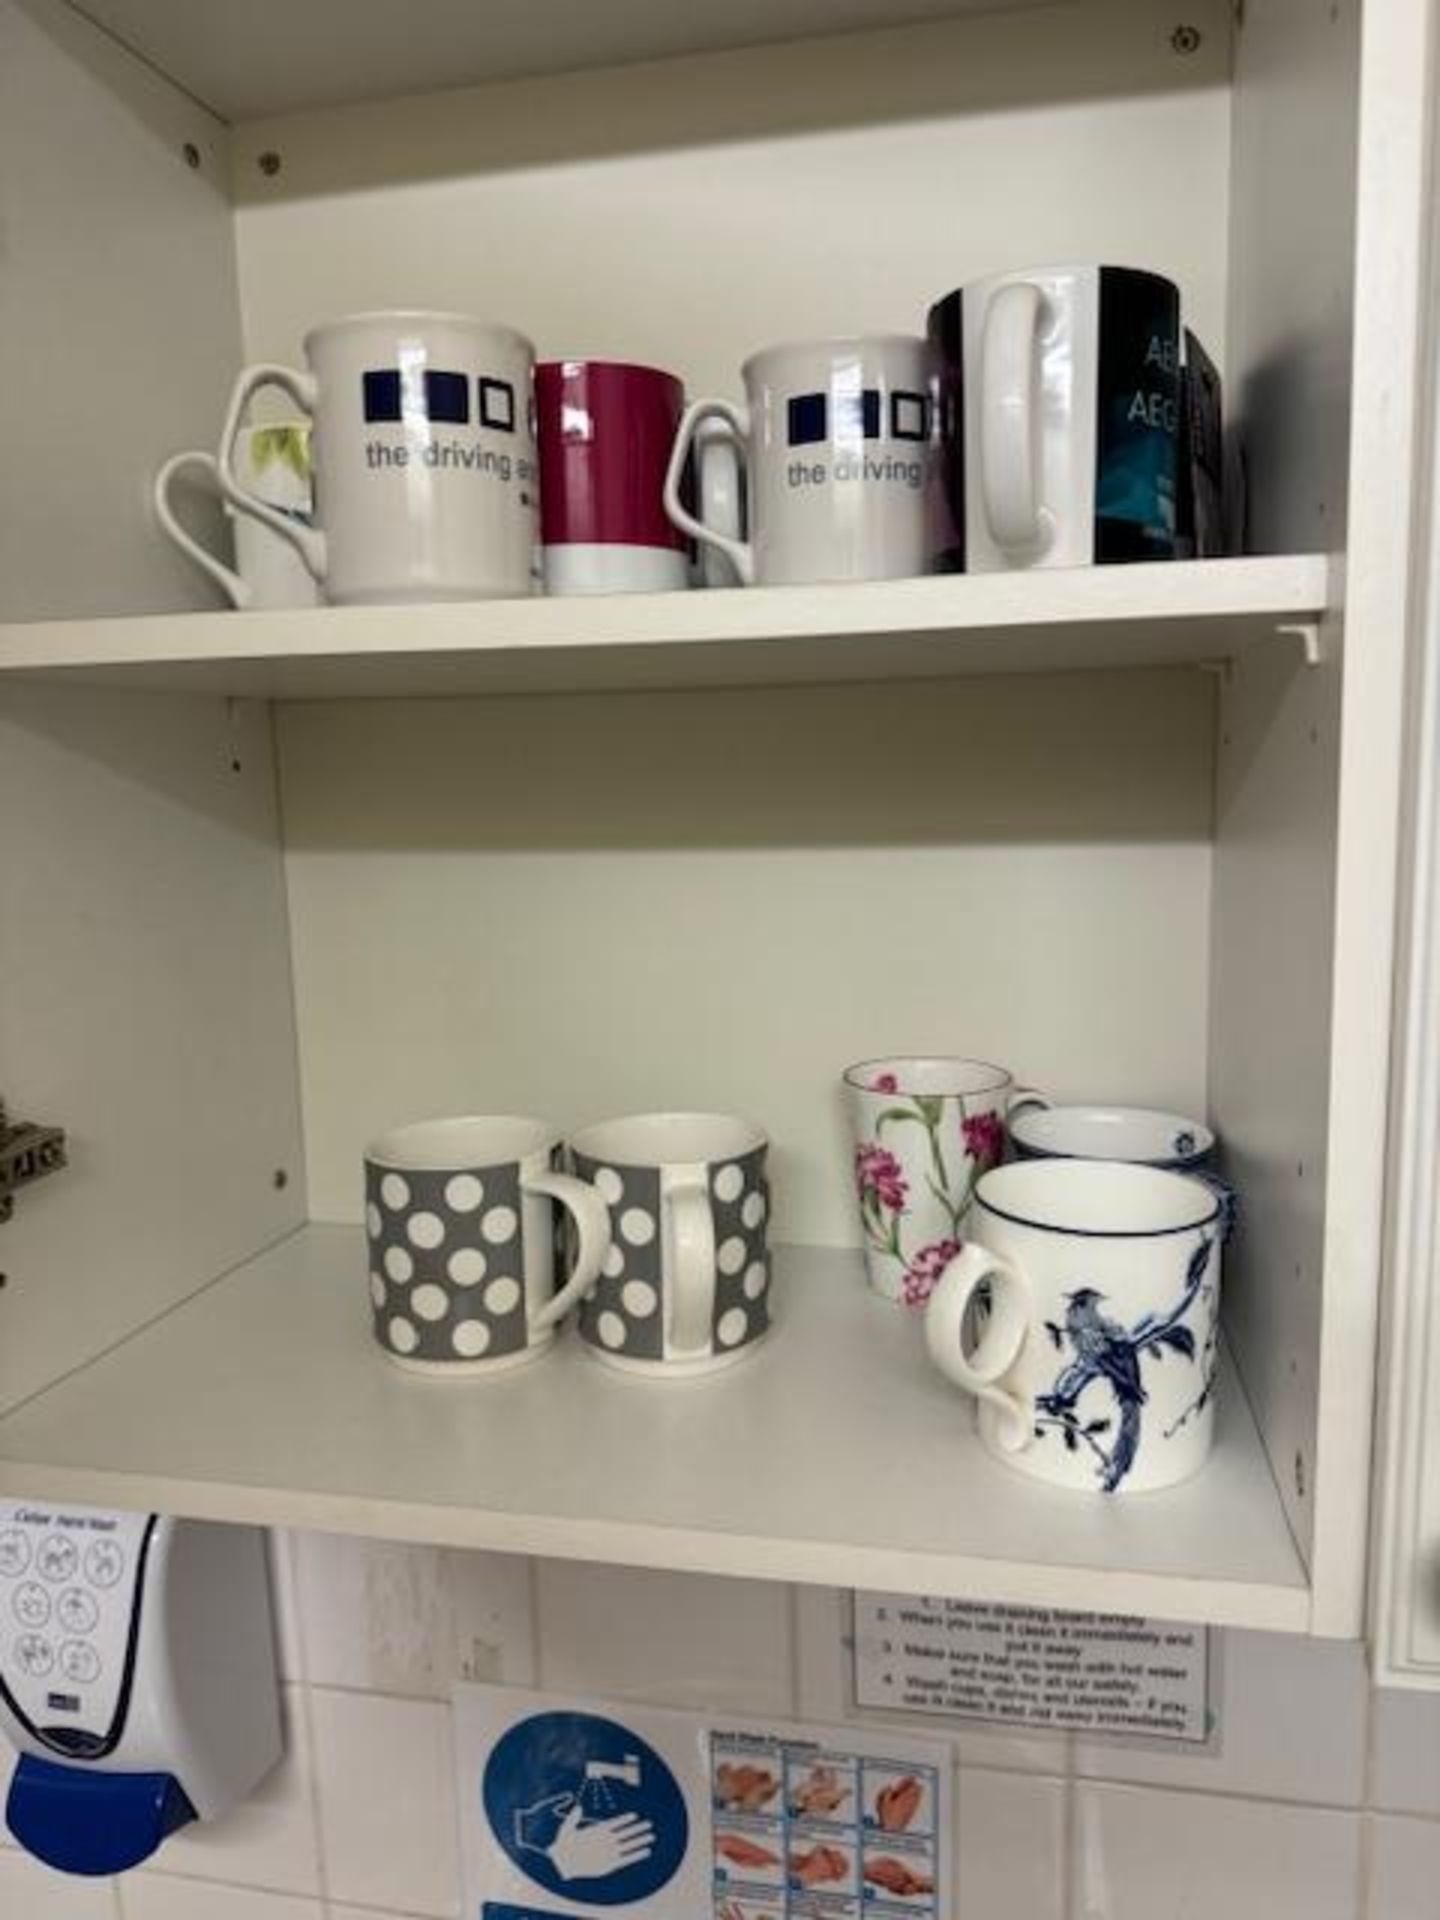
(273, 882)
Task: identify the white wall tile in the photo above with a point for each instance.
(29, 1891)
(1405, 1770)
(672, 1639)
(825, 1691)
(387, 1802)
(268, 1840)
(1139, 1854)
(389, 1618)
(1010, 1846)
(1404, 1869)
(280, 1551)
(149, 1896)
(1291, 1716)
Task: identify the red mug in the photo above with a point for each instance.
(605, 431)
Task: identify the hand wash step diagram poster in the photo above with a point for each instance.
(577, 1810)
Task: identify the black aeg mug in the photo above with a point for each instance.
(1059, 405)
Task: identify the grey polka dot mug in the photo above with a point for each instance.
(460, 1221)
(685, 1286)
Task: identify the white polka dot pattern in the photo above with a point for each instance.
(637, 1226)
(435, 1235)
(732, 1327)
(425, 1230)
(470, 1339)
(639, 1299)
(499, 1225)
(429, 1302)
(464, 1193)
(729, 1183)
(502, 1296)
(466, 1267)
(730, 1257)
(624, 1313)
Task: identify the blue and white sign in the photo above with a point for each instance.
(578, 1810)
(586, 1808)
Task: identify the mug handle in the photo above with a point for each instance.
(1226, 1195)
(1022, 1097)
(592, 1225)
(1009, 477)
(236, 590)
(740, 553)
(720, 491)
(1002, 1338)
(692, 1299)
(308, 542)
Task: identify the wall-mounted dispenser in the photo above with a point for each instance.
(137, 1678)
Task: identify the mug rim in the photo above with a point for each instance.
(756, 1138)
(1052, 269)
(385, 1149)
(1020, 1125)
(1103, 1173)
(569, 363)
(1003, 1077)
(831, 343)
(417, 316)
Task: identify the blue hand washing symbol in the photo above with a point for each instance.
(585, 1808)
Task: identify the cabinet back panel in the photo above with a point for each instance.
(687, 212)
(578, 906)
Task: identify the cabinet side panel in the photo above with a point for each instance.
(119, 321)
(1291, 282)
(145, 1006)
(1270, 1012)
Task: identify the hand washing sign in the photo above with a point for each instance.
(576, 1811)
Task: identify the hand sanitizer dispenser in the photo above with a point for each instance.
(137, 1678)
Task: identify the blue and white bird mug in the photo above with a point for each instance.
(1095, 1366)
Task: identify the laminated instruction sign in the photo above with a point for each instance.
(573, 1810)
(1032, 1666)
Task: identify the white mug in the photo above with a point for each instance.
(1060, 436)
(425, 462)
(839, 457)
(268, 573)
(685, 1287)
(925, 1128)
(460, 1224)
(1093, 1349)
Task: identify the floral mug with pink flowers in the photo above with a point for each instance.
(925, 1130)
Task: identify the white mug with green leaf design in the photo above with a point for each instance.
(268, 572)
(925, 1130)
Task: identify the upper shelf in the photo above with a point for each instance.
(1162, 614)
(269, 56)
(835, 1455)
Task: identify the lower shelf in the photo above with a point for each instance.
(835, 1455)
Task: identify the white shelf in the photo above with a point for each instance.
(1090, 617)
(836, 1454)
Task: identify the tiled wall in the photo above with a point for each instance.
(1322, 1801)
